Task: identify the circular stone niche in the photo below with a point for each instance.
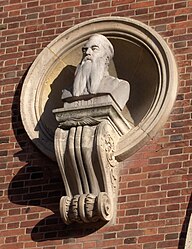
(141, 57)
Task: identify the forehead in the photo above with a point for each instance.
(97, 41)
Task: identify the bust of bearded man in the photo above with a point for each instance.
(92, 76)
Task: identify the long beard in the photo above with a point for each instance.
(88, 76)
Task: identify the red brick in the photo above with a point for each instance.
(142, 4)
(12, 246)
(18, 6)
(121, 2)
(173, 214)
(13, 225)
(160, 2)
(11, 239)
(111, 242)
(134, 246)
(153, 195)
(104, 11)
(133, 190)
(131, 219)
(32, 4)
(88, 245)
(146, 239)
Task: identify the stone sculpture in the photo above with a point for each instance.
(92, 76)
(90, 125)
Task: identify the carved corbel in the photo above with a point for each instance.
(85, 141)
(142, 56)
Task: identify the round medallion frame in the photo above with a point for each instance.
(142, 57)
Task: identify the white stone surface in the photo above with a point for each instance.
(188, 242)
(85, 143)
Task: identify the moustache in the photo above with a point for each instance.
(88, 58)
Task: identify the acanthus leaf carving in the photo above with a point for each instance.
(79, 122)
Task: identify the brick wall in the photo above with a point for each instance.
(154, 201)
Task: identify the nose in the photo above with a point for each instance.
(88, 51)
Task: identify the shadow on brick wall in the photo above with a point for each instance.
(37, 187)
(183, 234)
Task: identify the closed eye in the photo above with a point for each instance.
(95, 47)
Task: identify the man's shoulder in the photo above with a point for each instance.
(118, 88)
(116, 82)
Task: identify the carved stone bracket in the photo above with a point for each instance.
(85, 141)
